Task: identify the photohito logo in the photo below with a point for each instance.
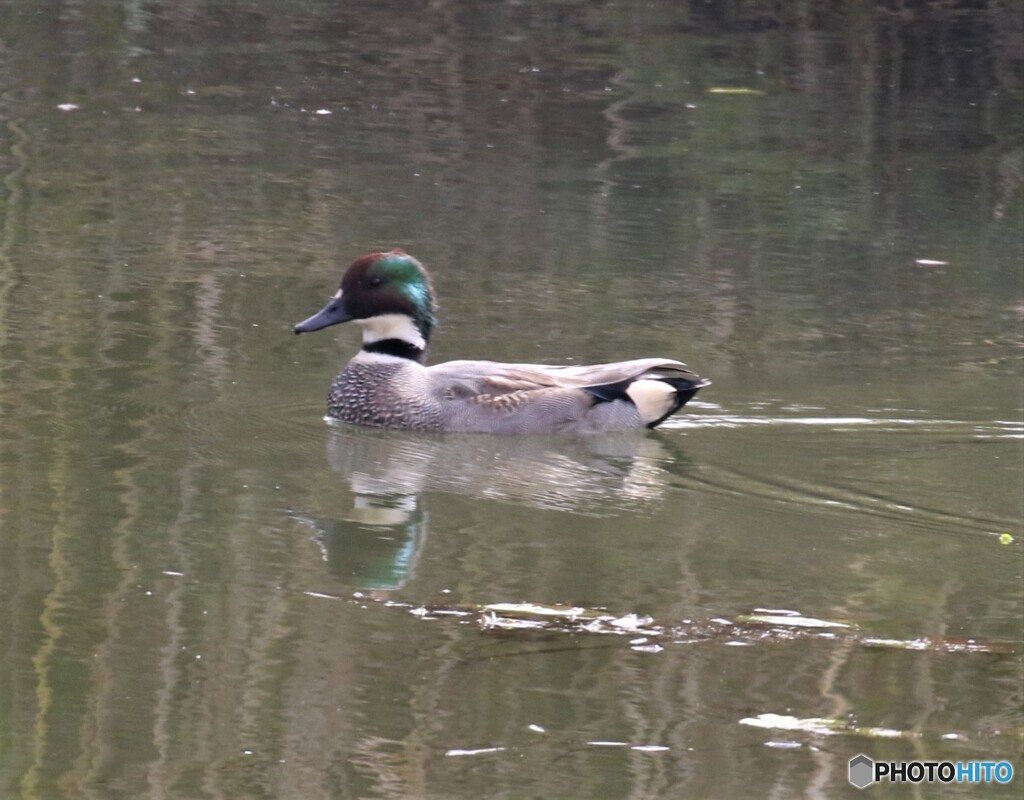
(865, 771)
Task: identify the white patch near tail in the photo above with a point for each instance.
(652, 398)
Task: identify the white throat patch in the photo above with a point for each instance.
(391, 326)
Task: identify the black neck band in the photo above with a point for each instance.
(395, 347)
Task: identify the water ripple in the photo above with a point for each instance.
(988, 429)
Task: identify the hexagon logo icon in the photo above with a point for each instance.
(862, 771)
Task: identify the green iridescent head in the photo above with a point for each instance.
(379, 285)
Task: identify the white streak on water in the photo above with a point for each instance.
(475, 752)
(988, 429)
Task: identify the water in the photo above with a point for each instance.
(208, 591)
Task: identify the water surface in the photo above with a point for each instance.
(208, 591)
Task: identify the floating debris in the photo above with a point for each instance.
(535, 610)
(792, 619)
(631, 622)
(648, 636)
(511, 616)
(740, 90)
(475, 752)
(322, 595)
(823, 726)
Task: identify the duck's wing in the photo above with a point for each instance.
(494, 377)
(487, 395)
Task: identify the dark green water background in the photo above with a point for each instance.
(208, 592)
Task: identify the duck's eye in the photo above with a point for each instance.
(375, 281)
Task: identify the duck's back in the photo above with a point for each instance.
(535, 398)
(493, 397)
(539, 411)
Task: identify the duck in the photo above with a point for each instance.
(390, 295)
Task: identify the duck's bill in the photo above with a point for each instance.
(331, 314)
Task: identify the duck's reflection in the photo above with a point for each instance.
(375, 545)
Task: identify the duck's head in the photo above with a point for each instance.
(390, 296)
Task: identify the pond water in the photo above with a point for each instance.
(209, 592)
